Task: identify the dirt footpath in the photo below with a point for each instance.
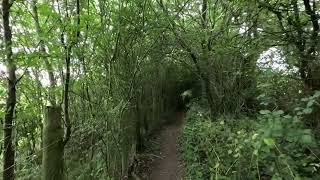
(167, 166)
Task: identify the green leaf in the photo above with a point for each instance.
(310, 103)
(306, 131)
(307, 111)
(269, 141)
(45, 10)
(306, 139)
(287, 116)
(297, 178)
(299, 113)
(264, 112)
(276, 177)
(316, 94)
(217, 165)
(280, 112)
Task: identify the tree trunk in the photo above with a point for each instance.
(138, 126)
(209, 96)
(66, 97)
(205, 53)
(52, 161)
(9, 152)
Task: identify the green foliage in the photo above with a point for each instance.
(276, 90)
(274, 146)
(121, 76)
(131, 60)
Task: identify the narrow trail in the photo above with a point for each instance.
(167, 166)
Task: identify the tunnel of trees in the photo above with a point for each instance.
(84, 84)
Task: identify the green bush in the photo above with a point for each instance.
(273, 146)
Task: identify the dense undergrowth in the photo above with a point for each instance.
(272, 145)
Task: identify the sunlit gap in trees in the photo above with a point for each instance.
(274, 59)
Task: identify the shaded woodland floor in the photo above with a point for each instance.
(161, 161)
(167, 165)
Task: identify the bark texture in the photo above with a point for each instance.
(52, 160)
(8, 154)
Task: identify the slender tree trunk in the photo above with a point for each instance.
(52, 158)
(309, 67)
(138, 125)
(66, 98)
(9, 151)
(68, 49)
(205, 57)
(209, 95)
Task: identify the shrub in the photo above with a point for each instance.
(273, 146)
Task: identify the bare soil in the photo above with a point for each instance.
(167, 166)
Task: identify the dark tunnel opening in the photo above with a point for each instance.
(187, 90)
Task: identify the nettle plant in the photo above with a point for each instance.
(310, 103)
(276, 145)
(284, 142)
